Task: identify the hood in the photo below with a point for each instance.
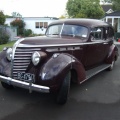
(44, 40)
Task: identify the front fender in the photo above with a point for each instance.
(57, 67)
(5, 65)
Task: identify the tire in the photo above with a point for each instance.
(112, 65)
(64, 90)
(6, 86)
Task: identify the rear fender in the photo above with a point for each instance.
(113, 54)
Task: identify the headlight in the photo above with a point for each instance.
(9, 54)
(36, 58)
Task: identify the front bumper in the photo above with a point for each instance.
(27, 85)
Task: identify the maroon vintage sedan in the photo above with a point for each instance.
(72, 50)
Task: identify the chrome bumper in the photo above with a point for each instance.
(30, 86)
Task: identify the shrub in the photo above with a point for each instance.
(4, 36)
(27, 32)
(4, 39)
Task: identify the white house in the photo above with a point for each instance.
(105, 2)
(37, 24)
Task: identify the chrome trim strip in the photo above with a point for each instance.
(13, 53)
(15, 46)
(26, 50)
(59, 45)
(21, 66)
(26, 58)
(52, 49)
(28, 55)
(62, 49)
(30, 86)
(23, 61)
(19, 69)
(77, 48)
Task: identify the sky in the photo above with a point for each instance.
(34, 8)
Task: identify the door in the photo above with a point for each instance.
(95, 50)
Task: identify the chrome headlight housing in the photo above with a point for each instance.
(9, 54)
(36, 58)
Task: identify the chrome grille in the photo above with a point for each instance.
(22, 58)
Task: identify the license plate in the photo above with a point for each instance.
(26, 76)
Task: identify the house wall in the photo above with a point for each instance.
(31, 23)
(12, 32)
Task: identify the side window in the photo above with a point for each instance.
(110, 33)
(97, 33)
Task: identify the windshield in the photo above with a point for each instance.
(67, 30)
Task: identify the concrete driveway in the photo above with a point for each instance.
(96, 99)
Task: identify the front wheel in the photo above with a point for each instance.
(64, 90)
(6, 86)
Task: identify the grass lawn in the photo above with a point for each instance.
(9, 44)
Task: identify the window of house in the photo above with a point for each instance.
(45, 24)
(41, 25)
(37, 24)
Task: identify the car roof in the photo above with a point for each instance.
(80, 21)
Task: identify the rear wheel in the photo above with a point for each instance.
(112, 65)
(6, 86)
(64, 90)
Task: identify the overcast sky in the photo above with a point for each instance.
(34, 8)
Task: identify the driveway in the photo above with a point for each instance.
(96, 99)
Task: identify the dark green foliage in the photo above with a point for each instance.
(8, 16)
(116, 5)
(20, 26)
(84, 9)
(27, 32)
(2, 18)
(4, 36)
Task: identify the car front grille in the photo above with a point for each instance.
(22, 59)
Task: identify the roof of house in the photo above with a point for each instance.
(106, 7)
(50, 18)
(116, 13)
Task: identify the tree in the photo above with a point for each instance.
(19, 24)
(2, 18)
(62, 17)
(84, 9)
(8, 16)
(116, 4)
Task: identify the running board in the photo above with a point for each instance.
(95, 71)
